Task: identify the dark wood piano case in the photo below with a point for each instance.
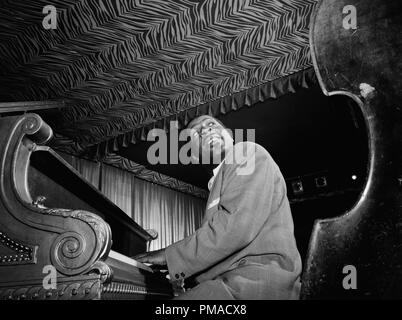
(51, 217)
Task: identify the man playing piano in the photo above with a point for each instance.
(245, 247)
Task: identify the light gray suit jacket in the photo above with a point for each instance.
(246, 243)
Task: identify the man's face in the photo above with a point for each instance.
(211, 139)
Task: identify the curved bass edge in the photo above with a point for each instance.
(361, 238)
(312, 51)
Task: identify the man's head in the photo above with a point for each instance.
(211, 139)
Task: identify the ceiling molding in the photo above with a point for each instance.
(141, 172)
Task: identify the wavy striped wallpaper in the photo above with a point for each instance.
(123, 64)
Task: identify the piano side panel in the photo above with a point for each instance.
(64, 188)
(63, 233)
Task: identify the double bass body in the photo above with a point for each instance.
(363, 62)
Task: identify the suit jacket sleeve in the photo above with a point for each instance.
(244, 207)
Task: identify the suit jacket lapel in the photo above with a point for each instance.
(214, 196)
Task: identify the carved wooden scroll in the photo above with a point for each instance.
(74, 242)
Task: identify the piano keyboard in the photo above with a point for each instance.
(130, 261)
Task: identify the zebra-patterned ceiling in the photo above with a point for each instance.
(122, 64)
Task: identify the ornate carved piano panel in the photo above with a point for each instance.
(51, 216)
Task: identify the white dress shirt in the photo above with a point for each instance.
(215, 172)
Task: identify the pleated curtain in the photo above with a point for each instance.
(173, 214)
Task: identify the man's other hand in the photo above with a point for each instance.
(157, 257)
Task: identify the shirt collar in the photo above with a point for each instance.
(215, 172)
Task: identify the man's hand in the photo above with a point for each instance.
(157, 257)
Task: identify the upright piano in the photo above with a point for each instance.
(60, 238)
